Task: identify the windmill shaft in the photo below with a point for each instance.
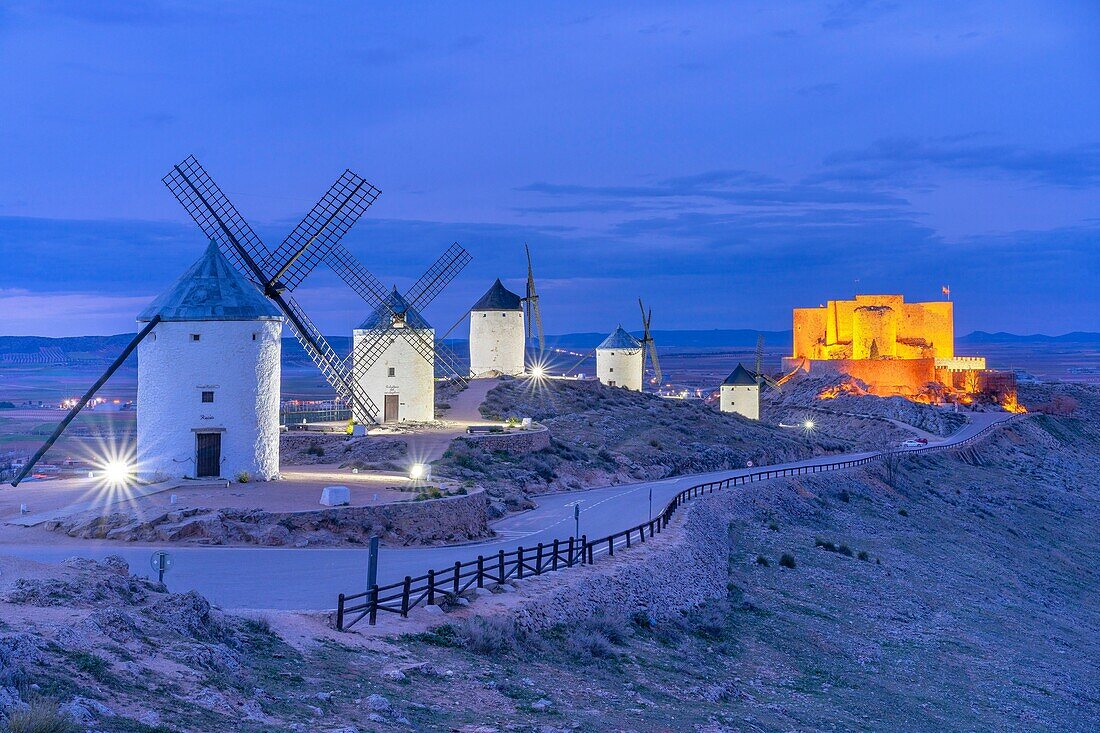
(85, 399)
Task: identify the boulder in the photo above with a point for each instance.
(335, 496)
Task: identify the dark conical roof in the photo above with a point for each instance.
(211, 290)
(394, 303)
(620, 339)
(498, 298)
(741, 377)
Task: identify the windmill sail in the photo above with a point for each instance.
(648, 345)
(533, 317)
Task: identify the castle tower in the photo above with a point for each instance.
(619, 361)
(208, 378)
(400, 382)
(874, 325)
(740, 393)
(497, 340)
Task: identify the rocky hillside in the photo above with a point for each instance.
(602, 435)
(958, 594)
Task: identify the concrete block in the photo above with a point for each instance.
(335, 496)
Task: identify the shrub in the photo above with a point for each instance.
(258, 624)
(315, 449)
(845, 496)
(93, 664)
(761, 560)
(773, 526)
(244, 477)
(863, 555)
(655, 443)
(490, 636)
(585, 642)
(825, 545)
(41, 716)
(903, 513)
(787, 561)
(845, 550)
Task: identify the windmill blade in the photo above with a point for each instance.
(589, 355)
(356, 276)
(538, 323)
(85, 399)
(446, 361)
(367, 352)
(656, 364)
(320, 230)
(218, 219)
(438, 276)
(759, 355)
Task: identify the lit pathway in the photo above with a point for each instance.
(310, 579)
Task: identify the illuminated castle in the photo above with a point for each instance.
(894, 347)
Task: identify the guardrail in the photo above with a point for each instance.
(449, 583)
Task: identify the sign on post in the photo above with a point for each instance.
(161, 562)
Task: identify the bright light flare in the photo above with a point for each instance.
(418, 471)
(808, 424)
(117, 473)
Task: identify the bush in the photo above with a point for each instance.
(244, 477)
(489, 636)
(845, 496)
(863, 555)
(315, 449)
(761, 560)
(845, 550)
(903, 513)
(41, 716)
(825, 545)
(585, 642)
(773, 526)
(787, 561)
(258, 624)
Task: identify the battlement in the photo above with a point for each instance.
(875, 326)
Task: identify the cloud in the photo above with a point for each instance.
(850, 13)
(903, 160)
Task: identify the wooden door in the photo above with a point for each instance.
(208, 459)
(390, 409)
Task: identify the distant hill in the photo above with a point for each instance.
(91, 349)
(982, 337)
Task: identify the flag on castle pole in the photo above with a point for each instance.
(946, 291)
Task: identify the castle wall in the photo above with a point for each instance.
(621, 366)
(874, 332)
(236, 360)
(809, 331)
(412, 378)
(839, 331)
(497, 342)
(883, 377)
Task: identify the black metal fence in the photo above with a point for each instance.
(449, 583)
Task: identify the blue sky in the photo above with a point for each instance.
(725, 161)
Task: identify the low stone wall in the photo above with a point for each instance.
(516, 441)
(450, 519)
(672, 572)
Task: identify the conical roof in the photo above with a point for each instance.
(211, 290)
(741, 377)
(498, 298)
(395, 304)
(620, 339)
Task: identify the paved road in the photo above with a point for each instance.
(310, 579)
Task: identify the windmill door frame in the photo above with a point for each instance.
(391, 407)
(208, 455)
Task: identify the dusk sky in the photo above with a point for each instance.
(725, 161)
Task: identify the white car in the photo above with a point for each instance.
(912, 444)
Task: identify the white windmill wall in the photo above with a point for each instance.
(497, 342)
(621, 366)
(742, 399)
(413, 378)
(236, 360)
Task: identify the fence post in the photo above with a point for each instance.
(569, 557)
(373, 604)
(519, 562)
(611, 546)
(405, 588)
(458, 573)
(500, 565)
(628, 538)
(584, 550)
(538, 560)
(431, 587)
(554, 564)
(480, 571)
(340, 613)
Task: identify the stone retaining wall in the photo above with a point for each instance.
(450, 519)
(516, 441)
(676, 570)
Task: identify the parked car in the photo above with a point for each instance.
(913, 444)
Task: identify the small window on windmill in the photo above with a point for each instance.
(503, 315)
(254, 336)
(611, 369)
(194, 337)
(208, 396)
(392, 372)
(484, 315)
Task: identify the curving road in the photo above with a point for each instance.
(311, 579)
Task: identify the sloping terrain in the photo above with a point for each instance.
(603, 435)
(959, 594)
